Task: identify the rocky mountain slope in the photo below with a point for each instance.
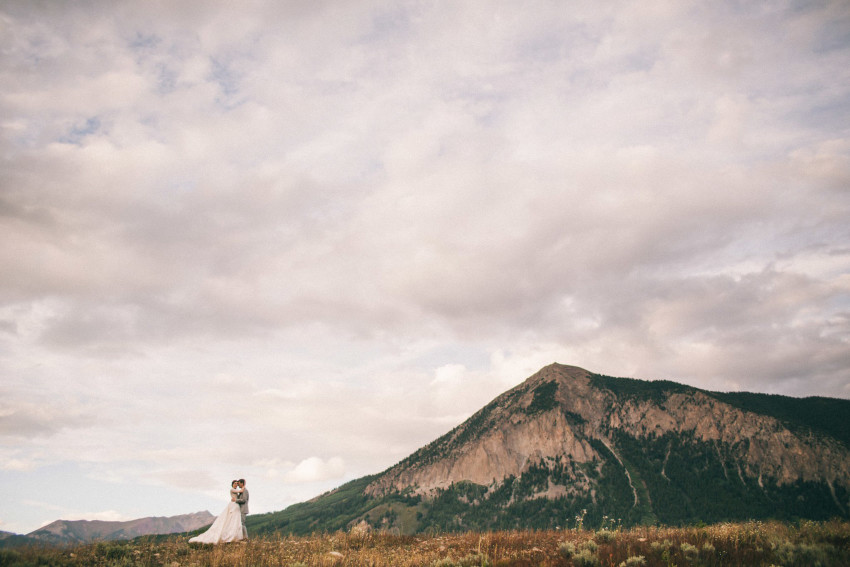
(63, 532)
(569, 446)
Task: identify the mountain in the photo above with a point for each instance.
(569, 446)
(10, 540)
(62, 532)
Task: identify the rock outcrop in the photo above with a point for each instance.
(556, 414)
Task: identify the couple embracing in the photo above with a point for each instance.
(230, 524)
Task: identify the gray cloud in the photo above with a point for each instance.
(23, 420)
(486, 183)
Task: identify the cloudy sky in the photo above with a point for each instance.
(295, 241)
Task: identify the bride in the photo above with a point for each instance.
(228, 526)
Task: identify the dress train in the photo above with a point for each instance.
(227, 527)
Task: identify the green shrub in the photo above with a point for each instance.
(634, 561)
(474, 560)
(586, 559)
(112, 550)
(813, 555)
(567, 549)
(605, 536)
(802, 554)
(689, 550)
(661, 546)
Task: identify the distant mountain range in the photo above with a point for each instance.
(569, 447)
(69, 532)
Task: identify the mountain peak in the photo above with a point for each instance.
(560, 372)
(566, 416)
(499, 440)
(83, 531)
(568, 442)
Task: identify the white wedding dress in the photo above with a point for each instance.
(227, 527)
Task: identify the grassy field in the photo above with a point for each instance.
(807, 544)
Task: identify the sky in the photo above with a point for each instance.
(295, 241)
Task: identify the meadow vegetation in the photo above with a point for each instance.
(810, 544)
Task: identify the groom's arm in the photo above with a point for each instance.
(243, 497)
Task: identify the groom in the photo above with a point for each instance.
(242, 500)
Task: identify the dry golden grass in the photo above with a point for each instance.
(745, 544)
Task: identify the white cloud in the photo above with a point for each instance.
(21, 465)
(314, 469)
